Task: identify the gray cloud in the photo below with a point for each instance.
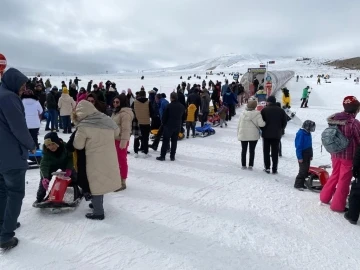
(91, 36)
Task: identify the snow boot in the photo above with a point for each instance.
(123, 185)
(13, 242)
(160, 158)
(95, 217)
(348, 219)
(172, 158)
(267, 171)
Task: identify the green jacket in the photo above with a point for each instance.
(50, 162)
(305, 93)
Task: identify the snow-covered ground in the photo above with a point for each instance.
(202, 211)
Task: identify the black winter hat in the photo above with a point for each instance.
(309, 126)
(52, 137)
(271, 99)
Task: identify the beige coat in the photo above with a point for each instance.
(66, 104)
(102, 166)
(124, 120)
(250, 123)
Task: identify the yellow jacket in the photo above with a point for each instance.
(191, 110)
(286, 100)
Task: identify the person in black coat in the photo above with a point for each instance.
(276, 121)
(352, 215)
(194, 98)
(88, 89)
(172, 122)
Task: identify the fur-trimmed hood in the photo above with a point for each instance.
(341, 119)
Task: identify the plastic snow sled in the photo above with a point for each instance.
(63, 194)
(214, 120)
(154, 132)
(317, 178)
(35, 159)
(205, 131)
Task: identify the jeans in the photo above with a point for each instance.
(12, 192)
(190, 125)
(66, 121)
(53, 115)
(145, 133)
(244, 147)
(34, 134)
(169, 135)
(273, 145)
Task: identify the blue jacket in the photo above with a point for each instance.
(229, 98)
(15, 139)
(303, 141)
(162, 106)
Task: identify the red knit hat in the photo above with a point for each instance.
(351, 104)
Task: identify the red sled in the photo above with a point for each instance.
(317, 178)
(57, 193)
(214, 120)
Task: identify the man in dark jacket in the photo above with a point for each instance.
(52, 106)
(15, 144)
(194, 98)
(275, 119)
(76, 81)
(99, 94)
(230, 100)
(88, 88)
(172, 122)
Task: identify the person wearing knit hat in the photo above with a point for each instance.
(55, 157)
(276, 121)
(66, 106)
(337, 186)
(250, 122)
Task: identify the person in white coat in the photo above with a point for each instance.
(249, 132)
(33, 112)
(66, 105)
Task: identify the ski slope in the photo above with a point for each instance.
(202, 211)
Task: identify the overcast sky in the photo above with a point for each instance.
(94, 36)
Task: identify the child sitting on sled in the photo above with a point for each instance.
(55, 157)
(304, 152)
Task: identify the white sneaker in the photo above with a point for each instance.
(136, 155)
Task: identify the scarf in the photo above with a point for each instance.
(98, 120)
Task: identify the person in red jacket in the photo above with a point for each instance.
(336, 189)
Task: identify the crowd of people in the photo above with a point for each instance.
(101, 121)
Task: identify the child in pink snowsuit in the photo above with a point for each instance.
(123, 117)
(336, 189)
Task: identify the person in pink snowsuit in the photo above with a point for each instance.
(337, 187)
(123, 116)
(81, 95)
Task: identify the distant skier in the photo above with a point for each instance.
(305, 97)
(297, 78)
(319, 81)
(76, 81)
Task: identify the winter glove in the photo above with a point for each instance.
(355, 172)
(123, 144)
(68, 172)
(45, 183)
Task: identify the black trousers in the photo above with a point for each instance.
(137, 144)
(190, 125)
(231, 112)
(303, 171)
(273, 146)
(158, 137)
(145, 133)
(244, 147)
(354, 201)
(169, 135)
(215, 106)
(304, 102)
(280, 149)
(34, 135)
(204, 118)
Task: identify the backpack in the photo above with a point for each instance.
(333, 140)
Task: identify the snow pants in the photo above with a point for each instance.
(354, 201)
(12, 192)
(122, 159)
(337, 187)
(303, 169)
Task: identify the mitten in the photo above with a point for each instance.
(68, 172)
(45, 183)
(123, 144)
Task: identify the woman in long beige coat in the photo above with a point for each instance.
(96, 133)
(123, 117)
